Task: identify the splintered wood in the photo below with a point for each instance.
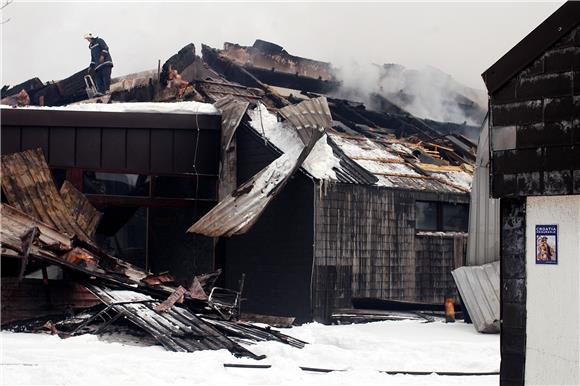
(175, 297)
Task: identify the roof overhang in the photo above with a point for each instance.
(532, 46)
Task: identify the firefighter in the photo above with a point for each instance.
(101, 63)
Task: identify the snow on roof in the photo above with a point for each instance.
(462, 179)
(362, 147)
(384, 160)
(137, 107)
(374, 157)
(320, 162)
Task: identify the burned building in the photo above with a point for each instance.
(148, 171)
(534, 94)
(373, 205)
(363, 217)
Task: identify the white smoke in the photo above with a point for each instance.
(426, 92)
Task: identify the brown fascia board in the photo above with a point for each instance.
(562, 21)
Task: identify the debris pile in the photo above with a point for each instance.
(44, 227)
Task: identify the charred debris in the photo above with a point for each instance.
(44, 227)
(383, 155)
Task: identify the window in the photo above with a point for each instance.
(455, 217)
(441, 216)
(426, 215)
(116, 184)
(122, 232)
(184, 187)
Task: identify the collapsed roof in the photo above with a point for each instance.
(382, 147)
(45, 226)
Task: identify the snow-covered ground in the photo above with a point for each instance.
(361, 350)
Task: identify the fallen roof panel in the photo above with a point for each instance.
(83, 211)
(177, 329)
(55, 247)
(28, 185)
(240, 210)
(232, 111)
(479, 289)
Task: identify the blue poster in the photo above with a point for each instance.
(546, 244)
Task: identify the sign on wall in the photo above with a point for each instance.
(546, 244)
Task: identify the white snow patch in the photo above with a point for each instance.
(363, 148)
(402, 148)
(137, 107)
(462, 179)
(360, 350)
(319, 163)
(378, 167)
(377, 158)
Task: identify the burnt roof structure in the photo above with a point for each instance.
(318, 224)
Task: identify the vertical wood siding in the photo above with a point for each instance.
(366, 246)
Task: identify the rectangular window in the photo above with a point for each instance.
(122, 232)
(115, 184)
(426, 215)
(200, 187)
(455, 217)
(441, 216)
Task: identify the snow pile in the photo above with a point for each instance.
(137, 107)
(359, 350)
(320, 162)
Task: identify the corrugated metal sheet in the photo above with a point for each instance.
(28, 186)
(483, 244)
(241, 209)
(479, 289)
(308, 116)
(15, 224)
(176, 329)
(54, 247)
(232, 111)
(83, 211)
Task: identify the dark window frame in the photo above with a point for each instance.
(75, 176)
(440, 210)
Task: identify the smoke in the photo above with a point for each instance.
(426, 92)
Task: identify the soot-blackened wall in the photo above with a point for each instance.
(367, 245)
(276, 254)
(535, 125)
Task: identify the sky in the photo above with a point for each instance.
(45, 39)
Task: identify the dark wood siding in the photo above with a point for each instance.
(276, 254)
(436, 257)
(363, 240)
(31, 298)
(535, 125)
(366, 245)
(144, 143)
(173, 146)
